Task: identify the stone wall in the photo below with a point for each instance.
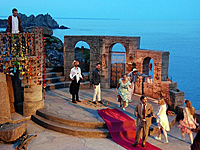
(100, 51)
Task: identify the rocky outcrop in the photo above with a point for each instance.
(3, 23)
(54, 51)
(39, 21)
(47, 31)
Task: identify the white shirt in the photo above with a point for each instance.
(15, 25)
(75, 72)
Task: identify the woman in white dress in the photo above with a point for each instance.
(162, 121)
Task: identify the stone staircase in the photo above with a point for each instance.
(56, 80)
(69, 126)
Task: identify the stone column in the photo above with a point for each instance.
(32, 100)
(5, 115)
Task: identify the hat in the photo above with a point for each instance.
(75, 61)
(135, 70)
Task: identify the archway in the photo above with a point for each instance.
(82, 54)
(118, 63)
(148, 69)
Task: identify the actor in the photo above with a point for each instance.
(143, 112)
(14, 23)
(133, 75)
(75, 75)
(96, 79)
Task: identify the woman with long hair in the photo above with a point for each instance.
(162, 121)
(122, 91)
(188, 121)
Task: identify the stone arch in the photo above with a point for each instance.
(82, 54)
(100, 52)
(148, 63)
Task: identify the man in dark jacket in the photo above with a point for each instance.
(96, 79)
(14, 23)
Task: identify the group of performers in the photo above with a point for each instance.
(143, 111)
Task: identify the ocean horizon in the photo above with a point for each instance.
(180, 37)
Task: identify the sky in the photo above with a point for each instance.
(107, 9)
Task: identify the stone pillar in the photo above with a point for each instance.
(32, 100)
(5, 115)
(11, 93)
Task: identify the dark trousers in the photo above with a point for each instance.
(74, 89)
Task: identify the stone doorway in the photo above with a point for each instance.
(148, 69)
(118, 63)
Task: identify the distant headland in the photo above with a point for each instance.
(39, 21)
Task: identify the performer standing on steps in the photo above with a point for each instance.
(75, 75)
(96, 79)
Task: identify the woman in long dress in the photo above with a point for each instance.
(162, 121)
(188, 121)
(122, 91)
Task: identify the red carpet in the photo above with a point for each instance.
(122, 129)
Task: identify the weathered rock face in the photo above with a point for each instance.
(11, 132)
(5, 115)
(3, 23)
(47, 31)
(40, 21)
(54, 52)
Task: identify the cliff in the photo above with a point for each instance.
(39, 21)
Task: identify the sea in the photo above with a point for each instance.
(180, 37)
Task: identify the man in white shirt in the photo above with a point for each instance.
(14, 23)
(75, 75)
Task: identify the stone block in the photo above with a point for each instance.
(30, 108)
(197, 115)
(166, 86)
(85, 85)
(5, 115)
(11, 132)
(177, 97)
(34, 93)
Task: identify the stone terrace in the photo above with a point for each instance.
(58, 103)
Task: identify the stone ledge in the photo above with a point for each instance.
(11, 132)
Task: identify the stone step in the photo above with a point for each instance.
(58, 85)
(53, 74)
(75, 131)
(69, 121)
(54, 79)
(48, 70)
(65, 84)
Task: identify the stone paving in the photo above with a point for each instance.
(59, 102)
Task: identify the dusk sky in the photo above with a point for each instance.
(111, 9)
